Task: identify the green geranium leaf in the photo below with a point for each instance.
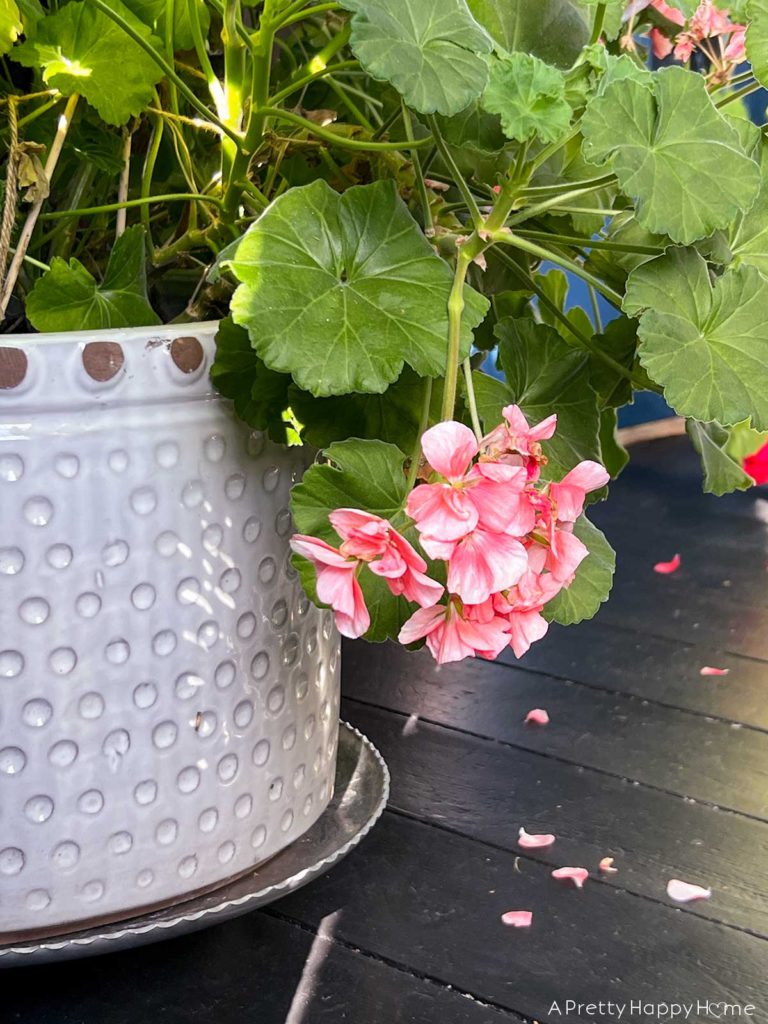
(529, 95)
(429, 50)
(360, 474)
(550, 29)
(152, 13)
(673, 153)
(10, 24)
(722, 473)
(68, 298)
(757, 39)
(614, 455)
(705, 343)
(341, 290)
(394, 416)
(544, 375)
(259, 394)
(80, 50)
(619, 341)
(749, 232)
(594, 579)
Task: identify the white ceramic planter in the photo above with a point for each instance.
(168, 695)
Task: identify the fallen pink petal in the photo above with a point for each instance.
(685, 892)
(606, 866)
(710, 670)
(576, 875)
(534, 841)
(518, 918)
(538, 716)
(665, 568)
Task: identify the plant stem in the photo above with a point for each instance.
(172, 197)
(597, 25)
(456, 174)
(413, 469)
(467, 366)
(420, 185)
(168, 68)
(745, 76)
(595, 309)
(146, 176)
(339, 140)
(455, 309)
(309, 12)
(568, 264)
(307, 79)
(584, 342)
(738, 94)
(29, 225)
(547, 204)
(33, 116)
(122, 188)
(591, 243)
(544, 191)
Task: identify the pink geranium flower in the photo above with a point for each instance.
(452, 636)
(480, 563)
(756, 465)
(515, 440)
(447, 511)
(337, 583)
(388, 554)
(570, 493)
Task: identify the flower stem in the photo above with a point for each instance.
(597, 25)
(455, 309)
(590, 243)
(87, 211)
(419, 173)
(472, 401)
(738, 94)
(456, 174)
(509, 238)
(413, 469)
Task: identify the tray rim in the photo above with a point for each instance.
(139, 930)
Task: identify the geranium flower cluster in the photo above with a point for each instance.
(506, 538)
(709, 30)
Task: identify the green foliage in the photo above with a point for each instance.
(594, 579)
(530, 97)
(10, 24)
(341, 291)
(544, 375)
(552, 30)
(705, 343)
(76, 50)
(153, 13)
(280, 170)
(430, 50)
(68, 298)
(672, 152)
(722, 472)
(260, 395)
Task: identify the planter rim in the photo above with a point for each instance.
(120, 334)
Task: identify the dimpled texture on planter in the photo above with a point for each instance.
(168, 695)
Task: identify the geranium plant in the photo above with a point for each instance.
(384, 202)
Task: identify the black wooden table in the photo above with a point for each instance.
(644, 760)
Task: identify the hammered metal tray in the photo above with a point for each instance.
(362, 789)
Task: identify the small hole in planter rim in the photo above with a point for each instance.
(13, 368)
(187, 354)
(102, 360)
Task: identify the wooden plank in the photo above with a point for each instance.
(652, 668)
(680, 753)
(413, 892)
(488, 791)
(256, 969)
(690, 614)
